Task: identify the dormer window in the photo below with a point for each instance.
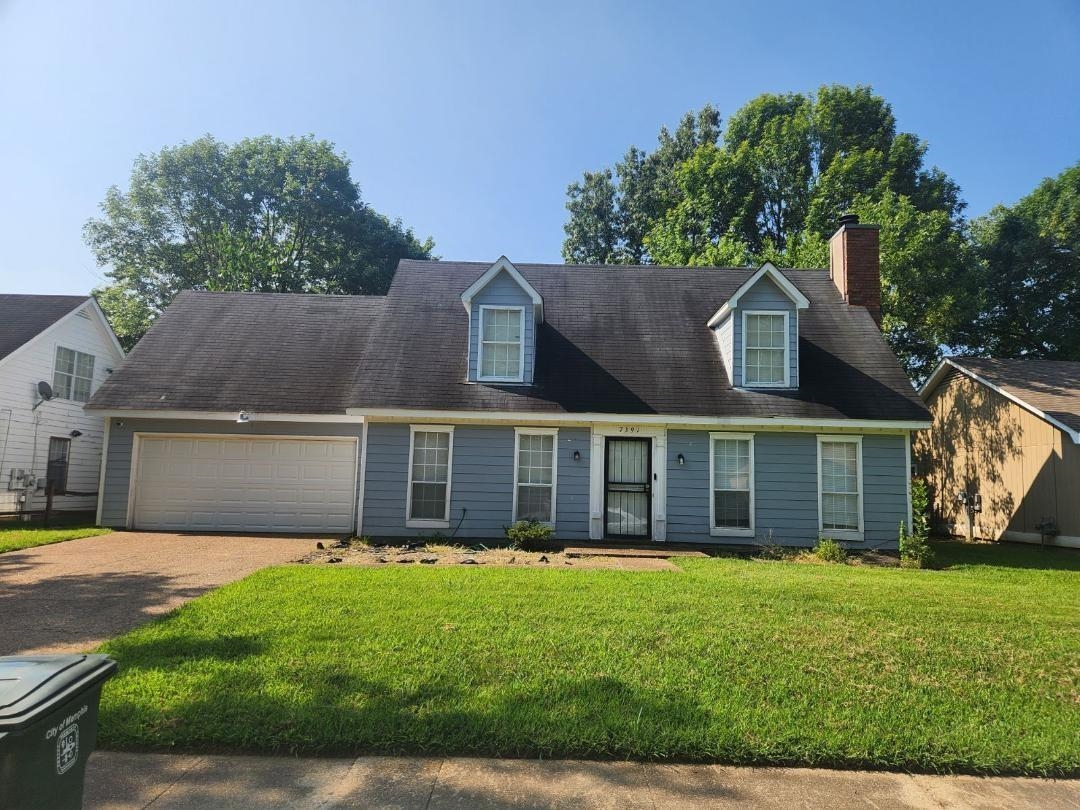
(505, 314)
(765, 349)
(502, 347)
(757, 331)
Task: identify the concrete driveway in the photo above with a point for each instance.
(71, 596)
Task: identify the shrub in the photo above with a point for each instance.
(528, 535)
(915, 551)
(829, 550)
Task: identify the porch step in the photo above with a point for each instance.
(615, 551)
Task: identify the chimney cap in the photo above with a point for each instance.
(848, 219)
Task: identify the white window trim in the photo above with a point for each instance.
(531, 431)
(427, 523)
(73, 375)
(787, 348)
(484, 308)
(841, 534)
(722, 531)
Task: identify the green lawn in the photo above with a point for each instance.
(12, 539)
(973, 668)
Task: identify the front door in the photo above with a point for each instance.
(628, 491)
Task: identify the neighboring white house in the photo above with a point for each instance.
(66, 342)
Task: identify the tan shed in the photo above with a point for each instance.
(1003, 454)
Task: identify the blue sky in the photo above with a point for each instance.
(468, 120)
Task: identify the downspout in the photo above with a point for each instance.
(101, 472)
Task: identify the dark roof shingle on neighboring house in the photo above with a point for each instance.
(1049, 386)
(24, 317)
(267, 352)
(628, 340)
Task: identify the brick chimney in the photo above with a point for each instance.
(855, 264)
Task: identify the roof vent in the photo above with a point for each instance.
(849, 219)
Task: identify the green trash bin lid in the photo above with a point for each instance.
(33, 685)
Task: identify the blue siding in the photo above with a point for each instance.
(572, 508)
(785, 496)
(502, 290)
(386, 480)
(122, 433)
(885, 478)
(482, 482)
(764, 295)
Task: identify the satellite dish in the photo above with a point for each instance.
(45, 390)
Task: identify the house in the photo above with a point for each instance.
(703, 405)
(1003, 454)
(63, 347)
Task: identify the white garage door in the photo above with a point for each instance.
(184, 483)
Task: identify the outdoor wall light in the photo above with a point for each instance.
(243, 418)
(75, 434)
(681, 459)
(577, 455)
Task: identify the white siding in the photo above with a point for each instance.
(24, 434)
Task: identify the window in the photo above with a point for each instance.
(73, 374)
(431, 457)
(732, 484)
(765, 349)
(534, 475)
(57, 471)
(840, 475)
(502, 345)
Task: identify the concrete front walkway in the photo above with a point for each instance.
(118, 780)
(71, 596)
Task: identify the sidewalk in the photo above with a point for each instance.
(116, 780)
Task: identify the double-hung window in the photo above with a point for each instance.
(72, 374)
(840, 485)
(502, 344)
(535, 472)
(431, 455)
(731, 489)
(765, 350)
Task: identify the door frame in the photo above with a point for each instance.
(138, 436)
(597, 477)
(647, 440)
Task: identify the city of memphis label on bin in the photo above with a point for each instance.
(66, 733)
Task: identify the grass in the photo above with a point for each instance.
(974, 668)
(12, 539)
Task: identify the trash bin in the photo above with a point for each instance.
(48, 727)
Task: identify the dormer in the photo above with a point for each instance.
(757, 329)
(505, 313)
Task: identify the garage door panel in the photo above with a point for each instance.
(256, 484)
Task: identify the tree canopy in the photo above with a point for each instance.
(263, 215)
(771, 187)
(1027, 274)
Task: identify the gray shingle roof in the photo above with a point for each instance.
(627, 340)
(1050, 386)
(23, 317)
(615, 340)
(264, 352)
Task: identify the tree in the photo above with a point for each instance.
(608, 221)
(1028, 274)
(787, 168)
(265, 214)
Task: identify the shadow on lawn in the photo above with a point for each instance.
(333, 711)
(956, 554)
(228, 704)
